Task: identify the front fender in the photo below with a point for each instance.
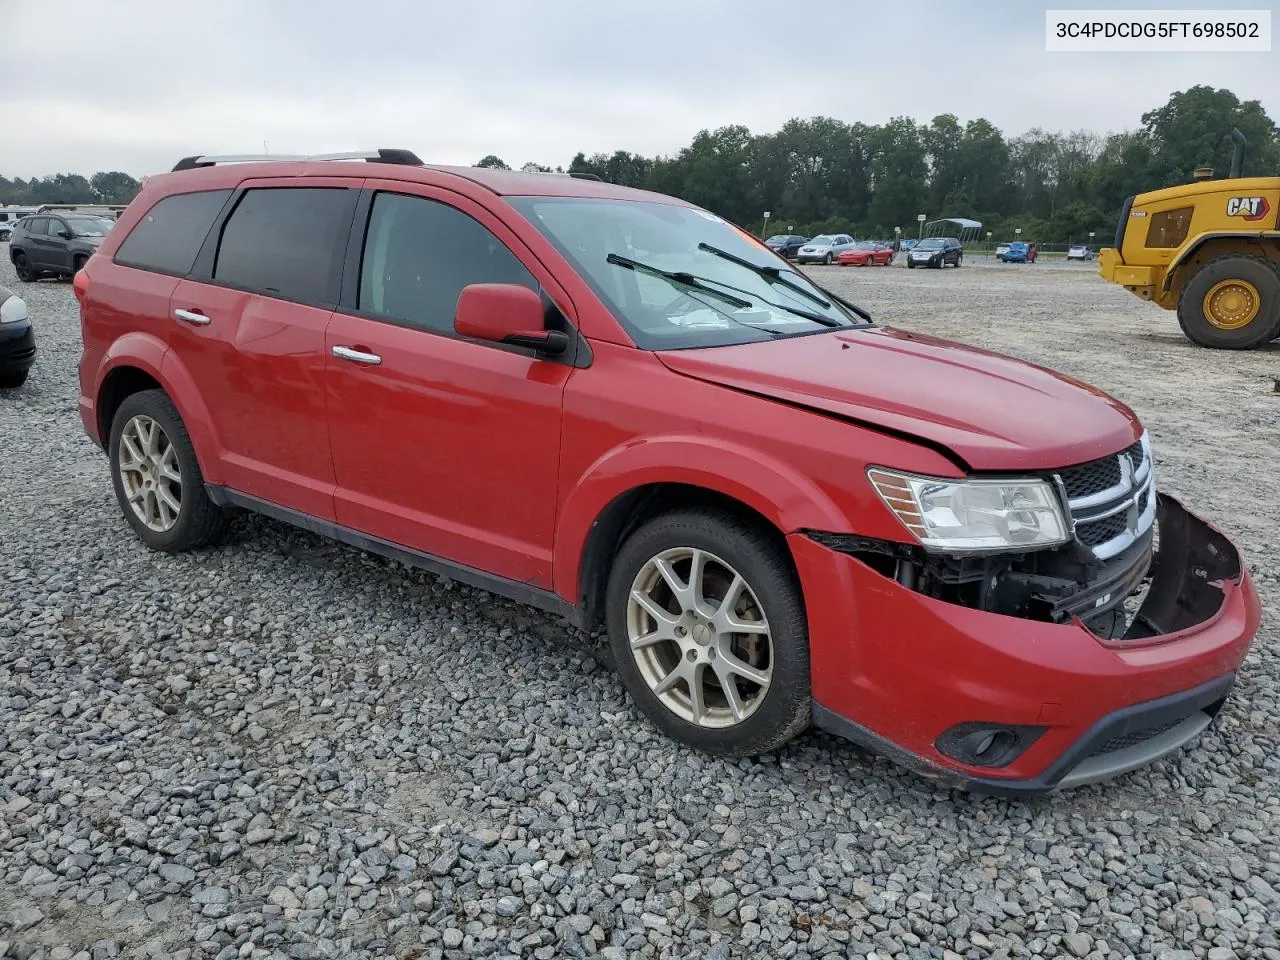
(785, 497)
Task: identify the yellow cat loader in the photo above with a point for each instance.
(1208, 249)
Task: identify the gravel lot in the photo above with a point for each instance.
(287, 748)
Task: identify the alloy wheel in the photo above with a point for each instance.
(699, 637)
(150, 473)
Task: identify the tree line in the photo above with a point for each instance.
(111, 187)
(820, 174)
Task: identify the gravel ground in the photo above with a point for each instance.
(287, 748)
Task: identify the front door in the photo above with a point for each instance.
(444, 445)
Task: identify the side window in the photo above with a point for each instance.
(38, 226)
(1169, 228)
(419, 254)
(287, 242)
(56, 227)
(168, 237)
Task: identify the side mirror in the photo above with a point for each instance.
(65, 234)
(507, 313)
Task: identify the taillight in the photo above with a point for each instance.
(81, 284)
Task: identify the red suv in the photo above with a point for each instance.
(621, 408)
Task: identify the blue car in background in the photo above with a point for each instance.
(1018, 252)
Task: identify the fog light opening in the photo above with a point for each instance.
(987, 744)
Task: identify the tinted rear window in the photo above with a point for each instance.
(168, 238)
(287, 242)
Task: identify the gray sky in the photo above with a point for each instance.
(143, 82)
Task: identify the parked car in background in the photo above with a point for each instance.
(824, 248)
(786, 244)
(55, 246)
(779, 513)
(6, 228)
(1018, 252)
(866, 253)
(1001, 250)
(1080, 252)
(17, 340)
(936, 252)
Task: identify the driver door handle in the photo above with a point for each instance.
(357, 356)
(191, 316)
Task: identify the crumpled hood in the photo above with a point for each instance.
(993, 412)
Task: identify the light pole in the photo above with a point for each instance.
(988, 238)
(766, 225)
(1091, 232)
(920, 217)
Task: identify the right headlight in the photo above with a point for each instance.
(959, 516)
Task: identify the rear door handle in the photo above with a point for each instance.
(357, 356)
(191, 316)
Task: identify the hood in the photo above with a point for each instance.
(993, 412)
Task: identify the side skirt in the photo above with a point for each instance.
(511, 589)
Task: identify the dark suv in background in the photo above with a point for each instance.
(52, 245)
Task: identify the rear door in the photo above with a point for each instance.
(250, 326)
(36, 243)
(58, 245)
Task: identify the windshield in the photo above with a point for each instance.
(929, 245)
(779, 239)
(823, 240)
(1018, 244)
(867, 245)
(89, 226)
(622, 248)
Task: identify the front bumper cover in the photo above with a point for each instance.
(17, 347)
(1105, 707)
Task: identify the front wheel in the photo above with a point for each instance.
(1231, 303)
(10, 381)
(708, 631)
(827, 259)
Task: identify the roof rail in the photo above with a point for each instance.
(580, 175)
(381, 155)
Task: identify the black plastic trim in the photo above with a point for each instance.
(1123, 224)
(1134, 718)
(512, 589)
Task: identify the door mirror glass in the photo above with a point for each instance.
(506, 313)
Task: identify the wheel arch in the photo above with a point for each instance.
(138, 362)
(1210, 246)
(638, 483)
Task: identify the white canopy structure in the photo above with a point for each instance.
(961, 228)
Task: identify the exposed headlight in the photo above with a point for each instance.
(13, 310)
(973, 515)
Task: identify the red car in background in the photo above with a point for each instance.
(868, 253)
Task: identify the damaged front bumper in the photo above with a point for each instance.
(1029, 703)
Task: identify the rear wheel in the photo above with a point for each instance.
(157, 478)
(23, 268)
(10, 380)
(1231, 303)
(708, 632)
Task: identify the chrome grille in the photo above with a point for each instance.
(1111, 499)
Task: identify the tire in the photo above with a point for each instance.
(9, 381)
(827, 259)
(23, 268)
(78, 264)
(199, 521)
(777, 712)
(910, 265)
(1256, 272)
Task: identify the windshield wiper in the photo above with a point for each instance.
(797, 311)
(772, 274)
(678, 278)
